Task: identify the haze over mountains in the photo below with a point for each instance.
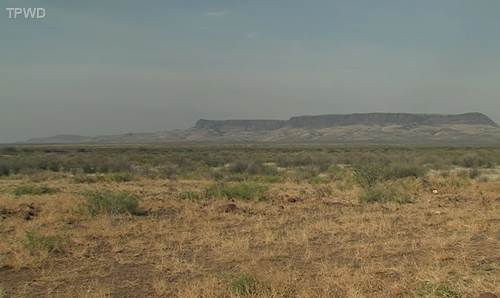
(379, 128)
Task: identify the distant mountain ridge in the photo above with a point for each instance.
(334, 120)
(376, 128)
(61, 139)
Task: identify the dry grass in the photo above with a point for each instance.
(304, 240)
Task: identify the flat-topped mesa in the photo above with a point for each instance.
(325, 121)
(385, 119)
(368, 128)
(241, 125)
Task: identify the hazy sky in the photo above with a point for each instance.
(104, 67)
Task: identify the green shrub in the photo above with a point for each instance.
(258, 168)
(295, 160)
(112, 203)
(88, 169)
(345, 185)
(251, 168)
(305, 158)
(452, 181)
(86, 178)
(396, 171)
(320, 179)
(236, 178)
(244, 285)
(475, 160)
(215, 174)
(241, 191)
(121, 177)
(474, 173)
(441, 290)
(387, 192)
(238, 167)
(9, 150)
(444, 174)
(269, 179)
(4, 169)
(36, 242)
(308, 174)
(191, 195)
(33, 190)
(338, 173)
(168, 172)
(53, 166)
(369, 174)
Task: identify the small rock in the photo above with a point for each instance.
(292, 200)
(487, 295)
(29, 215)
(28, 211)
(142, 212)
(434, 191)
(231, 207)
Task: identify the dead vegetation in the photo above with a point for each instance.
(302, 222)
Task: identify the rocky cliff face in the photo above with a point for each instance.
(326, 121)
